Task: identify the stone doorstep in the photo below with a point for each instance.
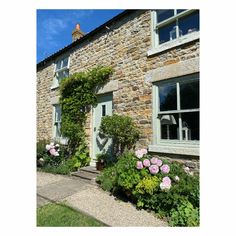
(87, 173)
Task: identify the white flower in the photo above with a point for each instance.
(176, 178)
(57, 145)
(164, 186)
(48, 147)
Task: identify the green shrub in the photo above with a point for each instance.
(178, 201)
(81, 157)
(122, 131)
(64, 168)
(184, 215)
(108, 179)
(127, 175)
(41, 150)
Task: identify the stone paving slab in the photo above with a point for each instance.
(61, 189)
(47, 178)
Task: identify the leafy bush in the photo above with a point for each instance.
(169, 189)
(81, 157)
(122, 130)
(41, 151)
(185, 214)
(108, 179)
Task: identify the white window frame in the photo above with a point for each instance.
(190, 147)
(66, 68)
(156, 47)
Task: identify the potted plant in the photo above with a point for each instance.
(100, 162)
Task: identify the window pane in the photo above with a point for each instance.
(164, 32)
(190, 23)
(62, 74)
(58, 132)
(103, 110)
(164, 14)
(190, 126)
(167, 97)
(180, 10)
(58, 65)
(169, 126)
(189, 94)
(57, 113)
(65, 62)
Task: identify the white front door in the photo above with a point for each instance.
(104, 108)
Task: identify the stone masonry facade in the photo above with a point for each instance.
(124, 47)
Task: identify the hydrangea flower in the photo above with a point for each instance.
(165, 169)
(186, 169)
(139, 153)
(144, 151)
(154, 160)
(166, 183)
(146, 162)
(166, 180)
(153, 169)
(48, 147)
(164, 186)
(159, 162)
(176, 178)
(139, 165)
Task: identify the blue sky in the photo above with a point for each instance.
(54, 27)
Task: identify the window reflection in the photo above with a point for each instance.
(167, 97)
(190, 126)
(190, 23)
(169, 126)
(189, 94)
(164, 14)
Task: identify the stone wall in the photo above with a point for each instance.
(123, 47)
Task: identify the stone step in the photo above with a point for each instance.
(87, 173)
(91, 169)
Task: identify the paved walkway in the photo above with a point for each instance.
(92, 200)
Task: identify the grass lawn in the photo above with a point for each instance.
(61, 215)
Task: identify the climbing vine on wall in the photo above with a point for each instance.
(77, 96)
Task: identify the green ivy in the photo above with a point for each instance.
(77, 96)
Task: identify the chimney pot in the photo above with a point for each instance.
(77, 33)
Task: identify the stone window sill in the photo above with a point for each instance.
(54, 87)
(174, 43)
(181, 149)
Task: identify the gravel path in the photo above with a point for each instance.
(92, 200)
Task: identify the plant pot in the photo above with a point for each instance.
(99, 165)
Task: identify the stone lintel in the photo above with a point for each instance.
(109, 87)
(173, 70)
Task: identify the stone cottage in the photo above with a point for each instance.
(155, 58)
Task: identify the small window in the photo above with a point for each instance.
(61, 70)
(103, 110)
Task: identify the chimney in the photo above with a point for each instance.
(77, 33)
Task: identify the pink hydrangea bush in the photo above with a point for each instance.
(146, 163)
(165, 169)
(154, 169)
(53, 149)
(139, 165)
(154, 166)
(165, 184)
(140, 152)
